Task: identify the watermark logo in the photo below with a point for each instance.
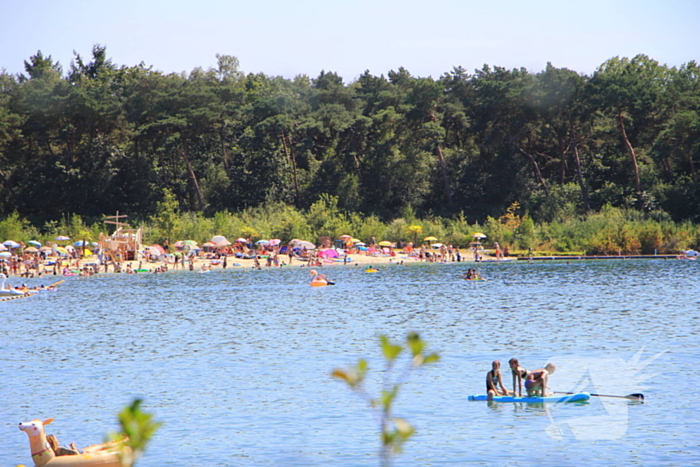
(603, 376)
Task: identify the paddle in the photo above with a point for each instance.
(632, 397)
(56, 283)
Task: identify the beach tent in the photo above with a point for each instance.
(328, 253)
(220, 240)
(303, 244)
(155, 250)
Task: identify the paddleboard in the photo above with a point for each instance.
(580, 397)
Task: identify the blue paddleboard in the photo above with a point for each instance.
(581, 396)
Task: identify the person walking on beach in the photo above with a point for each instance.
(499, 253)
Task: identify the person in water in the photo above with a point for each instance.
(494, 380)
(519, 375)
(472, 275)
(537, 381)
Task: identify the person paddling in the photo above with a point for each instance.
(537, 381)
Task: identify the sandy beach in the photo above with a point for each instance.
(353, 260)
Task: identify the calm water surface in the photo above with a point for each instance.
(236, 363)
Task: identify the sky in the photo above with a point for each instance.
(305, 37)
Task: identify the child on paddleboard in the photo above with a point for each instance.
(494, 380)
(519, 375)
(537, 381)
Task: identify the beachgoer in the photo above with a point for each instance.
(61, 450)
(519, 375)
(494, 380)
(537, 381)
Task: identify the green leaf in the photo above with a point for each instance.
(431, 358)
(415, 343)
(388, 397)
(391, 351)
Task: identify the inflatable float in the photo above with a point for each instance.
(319, 280)
(321, 283)
(102, 455)
(13, 291)
(371, 270)
(578, 397)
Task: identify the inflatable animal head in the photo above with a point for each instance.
(42, 453)
(35, 427)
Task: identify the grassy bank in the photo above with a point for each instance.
(610, 231)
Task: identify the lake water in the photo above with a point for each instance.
(237, 363)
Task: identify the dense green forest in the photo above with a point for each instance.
(101, 137)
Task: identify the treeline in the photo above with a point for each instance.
(103, 137)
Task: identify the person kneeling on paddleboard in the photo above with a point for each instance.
(494, 380)
(537, 381)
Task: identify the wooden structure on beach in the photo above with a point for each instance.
(123, 244)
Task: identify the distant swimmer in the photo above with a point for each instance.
(472, 275)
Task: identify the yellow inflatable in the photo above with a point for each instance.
(102, 455)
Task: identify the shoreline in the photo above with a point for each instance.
(353, 260)
(200, 264)
(239, 263)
